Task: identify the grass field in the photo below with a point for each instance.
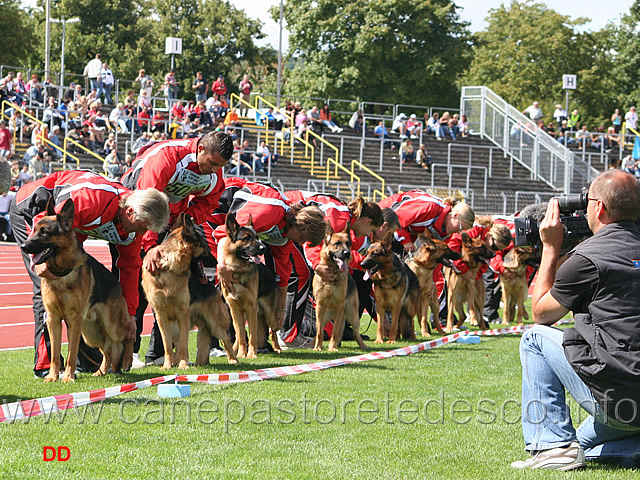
(448, 413)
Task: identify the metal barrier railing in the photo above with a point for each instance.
(356, 163)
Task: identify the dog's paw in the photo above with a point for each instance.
(68, 379)
(50, 379)
(391, 342)
(183, 365)
(317, 349)
(232, 361)
(98, 373)
(251, 355)
(166, 366)
(378, 340)
(425, 334)
(333, 349)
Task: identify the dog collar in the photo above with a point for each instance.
(64, 273)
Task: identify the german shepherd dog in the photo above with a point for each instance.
(254, 298)
(514, 282)
(169, 295)
(84, 294)
(423, 262)
(338, 299)
(464, 288)
(396, 290)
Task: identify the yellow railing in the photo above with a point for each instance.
(623, 131)
(380, 192)
(243, 101)
(45, 140)
(82, 147)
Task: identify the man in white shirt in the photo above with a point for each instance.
(534, 112)
(559, 115)
(106, 76)
(631, 118)
(92, 71)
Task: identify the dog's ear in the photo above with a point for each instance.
(386, 241)
(346, 228)
(426, 240)
(65, 217)
(250, 222)
(231, 225)
(50, 208)
(467, 241)
(328, 231)
(179, 221)
(189, 228)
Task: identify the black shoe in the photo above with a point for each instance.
(41, 373)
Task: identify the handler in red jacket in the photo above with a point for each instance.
(104, 210)
(190, 172)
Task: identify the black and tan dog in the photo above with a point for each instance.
(84, 294)
(336, 300)
(423, 262)
(254, 296)
(169, 295)
(396, 290)
(465, 288)
(513, 282)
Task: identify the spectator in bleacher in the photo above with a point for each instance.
(55, 140)
(177, 111)
(534, 112)
(232, 118)
(297, 106)
(574, 121)
(5, 201)
(145, 81)
(264, 156)
(8, 84)
(245, 88)
(144, 118)
(616, 120)
(463, 126)
(399, 125)
(301, 117)
(550, 128)
(381, 132)
(613, 139)
(79, 134)
(583, 137)
(25, 176)
(357, 121)
(219, 87)
(414, 127)
(69, 93)
(564, 134)
(144, 101)
(6, 141)
(631, 118)
(106, 76)
(141, 141)
(110, 144)
(92, 71)
(559, 115)
(433, 123)
(34, 88)
(200, 87)
(170, 86)
(157, 122)
(203, 114)
(15, 122)
(214, 105)
(315, 121)
(77, 93)
(32, 151)
(423, 158)
(407, 153)
(327, 121)
(599, 139)
(20, 86)
(237, 165)
(444, 130)
(118, 119)
(36, 165)
(224, 106)
(130, 99)
(454, 125)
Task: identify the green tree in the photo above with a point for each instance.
(626, 71)
(19, 30)
(396, 51)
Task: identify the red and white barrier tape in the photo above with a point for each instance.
(30, 408)
(10, 412)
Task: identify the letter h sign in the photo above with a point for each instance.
(569, 82)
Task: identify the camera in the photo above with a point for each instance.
(576, 227)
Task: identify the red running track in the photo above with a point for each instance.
(16, 315)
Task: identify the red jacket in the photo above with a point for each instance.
(455, 244)
(96, 201)
(266, 207)
(219, 87)
(417, 211)
(336, 214)
(171, 166)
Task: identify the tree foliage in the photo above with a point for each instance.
(397, 51)
(18, 26)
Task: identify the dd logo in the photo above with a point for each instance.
(49, 454)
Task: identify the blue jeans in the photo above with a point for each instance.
(107, 93)
(546, 420)
(96, 84)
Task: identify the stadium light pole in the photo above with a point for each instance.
(47, 38)
(64, 22)
(280, 56)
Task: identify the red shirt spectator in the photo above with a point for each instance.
(219, 87)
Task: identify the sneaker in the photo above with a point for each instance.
(157, 361)
(217, 352)
(137, 363)
(300, 342)
(561, 458)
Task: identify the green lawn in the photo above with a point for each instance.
(449, 413)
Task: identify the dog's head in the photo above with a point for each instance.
(336, 247)
(519, 258)
(433, 251)
(244, 240)
(379, 255)
(52, 234)
(474, 251)
(184, 230)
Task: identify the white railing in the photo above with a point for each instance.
(493, 118)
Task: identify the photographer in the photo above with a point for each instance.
(597, 361)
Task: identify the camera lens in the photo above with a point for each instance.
(572, 202)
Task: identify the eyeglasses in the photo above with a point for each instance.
(597, 200)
